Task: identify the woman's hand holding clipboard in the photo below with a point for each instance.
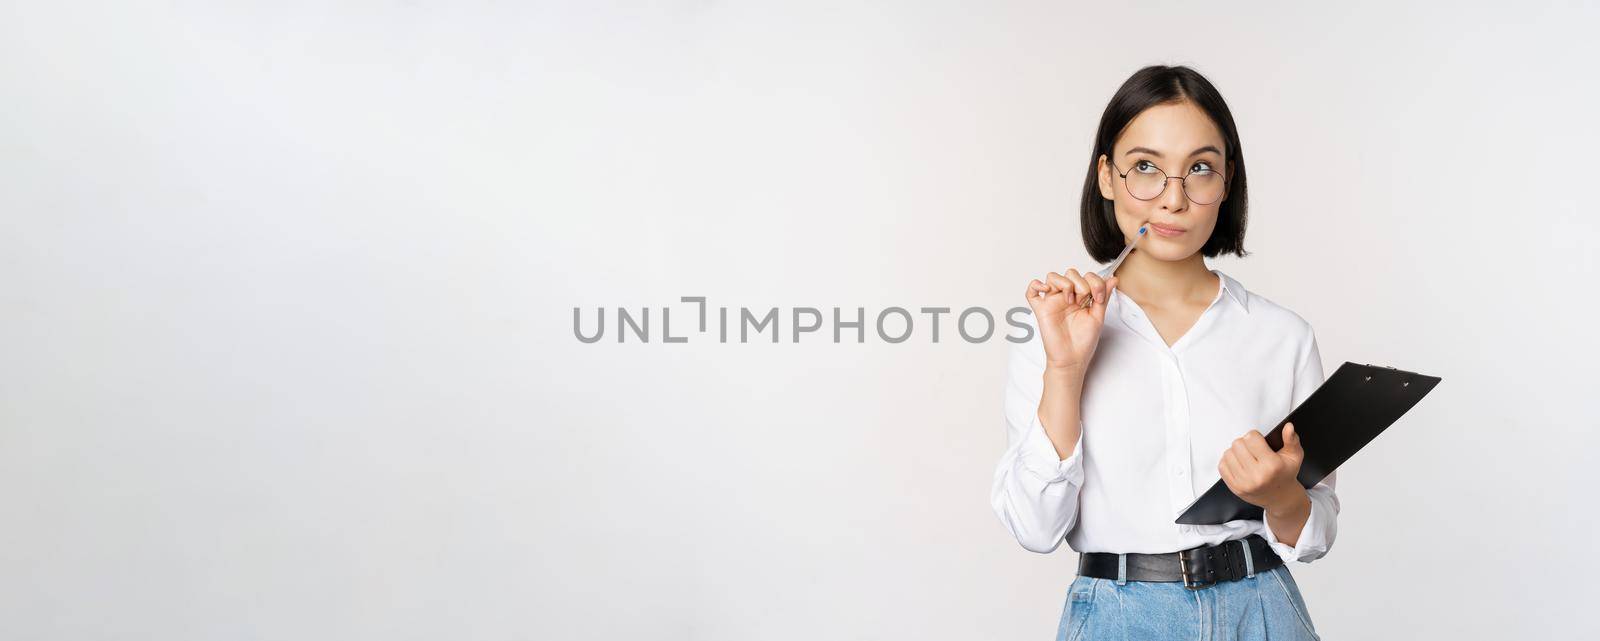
(1260, 475)
(1349, 410)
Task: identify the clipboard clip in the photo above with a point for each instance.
(1403, 383)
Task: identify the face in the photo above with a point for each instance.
(1176, 139)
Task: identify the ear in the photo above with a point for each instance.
(1227, 183)
(1107, 190)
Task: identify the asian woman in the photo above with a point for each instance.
(1148, 380)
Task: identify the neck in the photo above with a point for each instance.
(1151, 280)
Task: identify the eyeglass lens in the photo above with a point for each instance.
(1146, 181)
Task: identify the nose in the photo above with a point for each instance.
(1172, 197)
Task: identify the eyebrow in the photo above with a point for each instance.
(1157, 154)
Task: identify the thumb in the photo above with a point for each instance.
(1099, 309)
(1291, 443)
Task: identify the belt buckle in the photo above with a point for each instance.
(1204, 562)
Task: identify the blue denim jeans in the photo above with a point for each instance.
(1266, 605)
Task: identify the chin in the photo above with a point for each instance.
(1167, 251)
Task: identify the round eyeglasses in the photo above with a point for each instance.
(1146, 181)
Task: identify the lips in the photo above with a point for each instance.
(1167, 230)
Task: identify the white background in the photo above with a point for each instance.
(286, 297)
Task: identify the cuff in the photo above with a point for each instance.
(1039, 456)
(1309, 546)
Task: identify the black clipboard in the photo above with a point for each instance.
(1352, 407)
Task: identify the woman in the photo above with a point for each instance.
(1139, 389)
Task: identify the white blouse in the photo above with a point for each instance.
(1155, 422)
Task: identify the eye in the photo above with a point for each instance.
(1200, 167)
(1145, 167)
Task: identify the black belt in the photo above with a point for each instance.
(1197, 568)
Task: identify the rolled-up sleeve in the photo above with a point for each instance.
(1317, 536)
(1035, 491)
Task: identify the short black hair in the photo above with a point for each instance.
(1146, 88)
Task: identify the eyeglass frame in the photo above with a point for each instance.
(1181, 181)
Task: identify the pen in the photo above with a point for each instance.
(1089, 300)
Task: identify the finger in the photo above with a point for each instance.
(1057, 285)
(1079, 285)
(1097, 287)
(1257, 444)
(1061, 284)
(1036, 288)
(1229, 467)
(1240, 450)
(1105, 298)
(1291, 442)
(1102, 296)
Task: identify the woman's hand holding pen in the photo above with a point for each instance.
(1070, 332)
(1069, 329)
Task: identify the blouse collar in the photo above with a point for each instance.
(1231, 287)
